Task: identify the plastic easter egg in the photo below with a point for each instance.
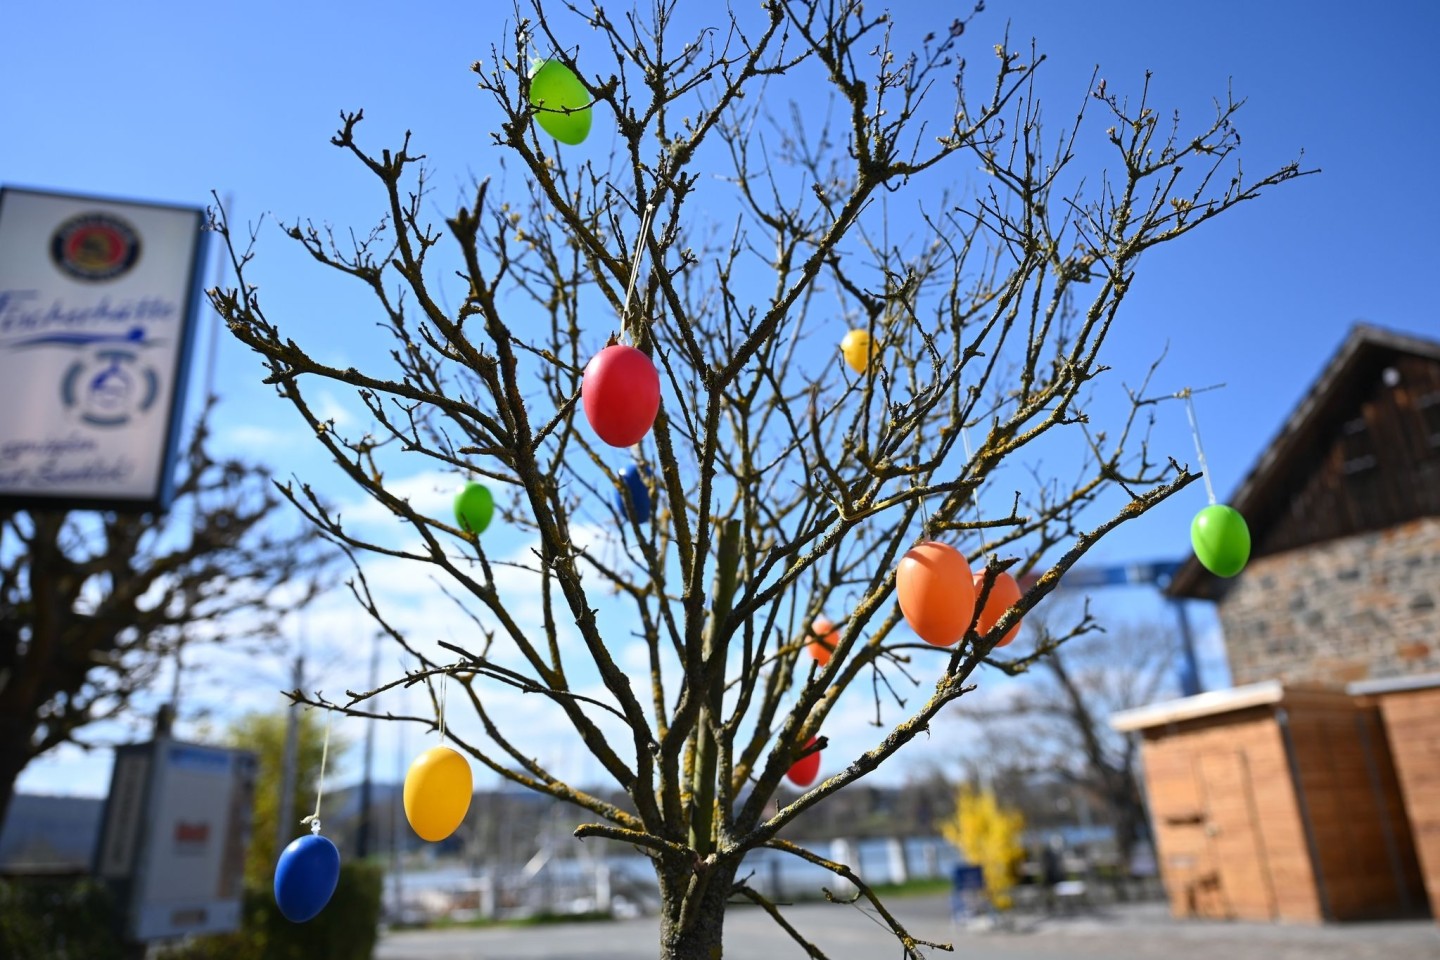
(620, 392)
(803, 772)
(305, 877)
(562, 102)
(1004, 594)
(438, 786)
(1221, 539)
(936, 592)
(474, 506)
(437, 793)
(824, 640)
(856, 348)
(634, 500)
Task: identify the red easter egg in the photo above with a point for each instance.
(936, 592)
(1004, 594)
(621, 395)
(825, 639)
(803, 772)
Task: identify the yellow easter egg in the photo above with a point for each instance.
(856, 348)
(437, 793)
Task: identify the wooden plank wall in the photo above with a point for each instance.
(1412, 720)
(1227, 825)
(1373, 467)
(1367, 865)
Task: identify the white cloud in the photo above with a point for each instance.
(253, 438)
(327, 406)
(431, 493)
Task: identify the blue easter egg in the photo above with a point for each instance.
(305, 877)
(633, 479)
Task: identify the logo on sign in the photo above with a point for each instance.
(191, 837)
(95, 247)
(107, 389)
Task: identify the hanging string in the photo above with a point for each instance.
(1199, 449)
(444, 689)
(314, 818)
(635, 260)
(969, 455)
(924, 511)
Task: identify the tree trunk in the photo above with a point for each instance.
(692, 912)
(14, 755)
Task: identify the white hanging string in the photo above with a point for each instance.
(1199, 449)
(924, 510)
(314, 818)
(635, 260)
(970, 455)
(444, 689)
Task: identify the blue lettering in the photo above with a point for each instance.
(19, 312)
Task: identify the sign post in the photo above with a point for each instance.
(173, 837)
(98, 307)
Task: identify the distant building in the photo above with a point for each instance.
(1307, 792)
(49, 834)
(1343, 582)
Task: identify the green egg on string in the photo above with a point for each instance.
(1221, 539)
(474, 507)
(562, 103)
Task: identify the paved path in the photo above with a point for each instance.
(1140, 932)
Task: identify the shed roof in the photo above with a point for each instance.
(1422, 681)
(1216, 702)
(1307, 425)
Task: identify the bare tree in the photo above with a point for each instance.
(1057, 723)
(786, 486)
(94, 605)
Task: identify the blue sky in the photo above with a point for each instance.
(167, 101)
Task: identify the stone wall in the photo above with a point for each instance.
(1361, 606)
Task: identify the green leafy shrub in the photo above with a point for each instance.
(57, 919)
(345, 930)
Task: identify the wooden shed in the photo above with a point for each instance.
(1411, 708)
(1276, 803)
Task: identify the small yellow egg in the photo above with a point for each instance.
(437, 793)
(856, 348)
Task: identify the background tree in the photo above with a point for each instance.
(1057, 723)
(987, 833)
(762, 227)
(94, 604)
(264, 733)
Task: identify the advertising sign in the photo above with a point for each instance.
(175, 846)
(98, 300)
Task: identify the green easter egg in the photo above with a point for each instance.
(554, 89)
(474, 507)
(1221, 539)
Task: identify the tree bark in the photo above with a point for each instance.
(14, 755)
(692, 913)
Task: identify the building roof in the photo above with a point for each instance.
(44, 834)
(1384, 685)
(1263, 694)
(1311, 423)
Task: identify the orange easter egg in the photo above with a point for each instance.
(1004, 594)
(825, 639)
(936, 592)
